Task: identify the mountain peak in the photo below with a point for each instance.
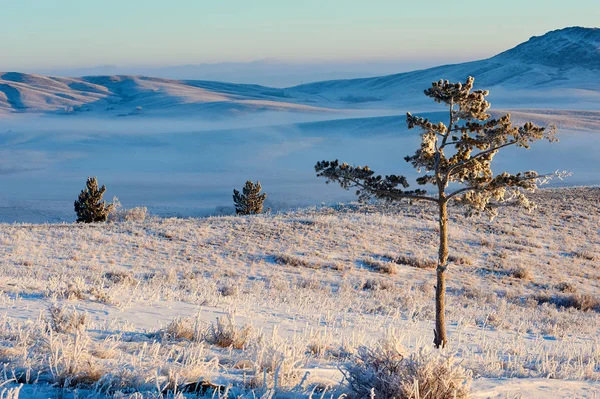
(562, 48)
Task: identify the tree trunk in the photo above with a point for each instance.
(440, 338)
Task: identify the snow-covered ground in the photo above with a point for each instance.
(279, 305)
(312, 286)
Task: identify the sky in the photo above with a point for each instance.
(77, 33)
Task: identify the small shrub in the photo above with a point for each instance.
(475, 293)
(435, 377)
(309, 283)
(118, 277)
(337, 266)
(582, 302)
(486, 243)
(65, 321)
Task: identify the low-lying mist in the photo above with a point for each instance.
(189, 167)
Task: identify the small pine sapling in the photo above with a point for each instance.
(250, 201)
(89, 207)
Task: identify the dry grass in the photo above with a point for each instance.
(460, 260)
(377, 284)
(521, 273)
(226, 334)
(381, 266)
(586, 254)
(384, 372)
(183, 328)
(140, 285)
(419, 263)
(435, 377)
(63, 320)
(583, 302)
(566, 287)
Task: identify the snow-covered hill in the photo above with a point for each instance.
(304, 291)
(560, 69)
(567, 48)
(134, 95)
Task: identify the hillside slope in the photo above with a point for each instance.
(312, 287)
(560, 69)
(133, 95)
(565, 62)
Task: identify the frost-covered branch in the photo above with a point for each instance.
(368, 184)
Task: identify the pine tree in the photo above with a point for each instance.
(89, 207)
(250, 201)
(458, 153)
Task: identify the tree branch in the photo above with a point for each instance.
(369, 185)
(467, 189)
(387, 193)
(478, 155)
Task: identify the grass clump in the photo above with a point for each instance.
(460, 260)
(565, 286)
(296, 261)
(419, 263)
(583, 302)
(226, 334)
(522, 273)
(63, 320)
(586, 255)
(384, 372)
(385, 267)
(377, 284)
(182, 328)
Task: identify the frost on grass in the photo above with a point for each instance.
(385, 372)
(121, 308)
(119, 214)
(225, 333)
(65, 320)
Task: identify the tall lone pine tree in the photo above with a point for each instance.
(459, 153)
(250, 201)
(89, 207)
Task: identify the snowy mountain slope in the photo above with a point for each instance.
(560, 69)
(567, 48)
(560, 66)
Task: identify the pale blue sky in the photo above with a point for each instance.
(65, 33)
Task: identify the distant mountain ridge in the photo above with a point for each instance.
(574, 47)
(562, 65)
